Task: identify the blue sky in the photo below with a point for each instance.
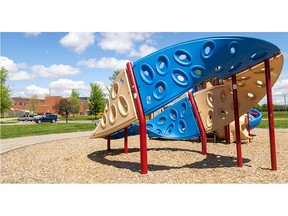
(60, 61)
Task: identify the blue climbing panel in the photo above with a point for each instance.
(176, 122)
(255, 118)
(168, 73)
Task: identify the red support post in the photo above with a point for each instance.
(108, 143)
(126, 140)
(236, 120)
(248, 125)
(270, 115)
(199, 122)
(227, 134)
(141, 117)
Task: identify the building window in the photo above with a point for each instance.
(20, 103)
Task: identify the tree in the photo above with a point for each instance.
(96, 100)
(33, 103)
(75, 102)
(63, 108)
(6, 101)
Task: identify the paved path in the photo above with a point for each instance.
(10, 144)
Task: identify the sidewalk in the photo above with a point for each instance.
(10, 144)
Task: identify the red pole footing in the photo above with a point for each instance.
(199, 122)
(236, 120)
(126, 140)
(141, 117)
(270, 115)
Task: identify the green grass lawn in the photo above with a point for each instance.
(80, 117)
(12, 131)
(277, 114)
(283, 123)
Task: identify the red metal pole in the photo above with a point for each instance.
(199, 122)
(108, 143)
(236, 120)
(248, 125)
(126, 140)
(270, 115)
(227, 134)
(141, 117)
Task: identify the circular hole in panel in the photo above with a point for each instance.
(173, 114)
(250, 96)
(223, 95)
(209, 100)
(107, 106)
(159, 91)
(183, 109)
(218, 69)
(197, 71)
(115, 90)
(147, 74)
(149, 126)
(260, 83)
(169, 129)
(222, 113)
(162, 120)
(162, 65)
(234, 66)
(241, 84)
(103, 121)
(148, 100)
(258, 55)
(233, 49)
(208, 49)
(180, 77)
(123, 106)
(209, 121)
(182, 57)
(158, 131)
(182, 126)
(113, 114)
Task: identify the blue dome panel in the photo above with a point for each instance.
(168, 73)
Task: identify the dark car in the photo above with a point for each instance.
(26, 117)
(46, 118)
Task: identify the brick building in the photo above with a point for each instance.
(45, 105)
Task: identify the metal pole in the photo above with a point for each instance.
(199, 122)
(227, 133)
(270, 115)
(236, 120)
(141, 117)
(248, 125)
(108, 143)
(126, 140)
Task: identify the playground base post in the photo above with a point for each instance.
(126, 140)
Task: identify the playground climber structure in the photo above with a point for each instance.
(201, 86)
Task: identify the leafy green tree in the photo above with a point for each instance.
(33, 103)
(257, 106)
(75, 102)
(6, 101)
(96, 100)
(63, 108)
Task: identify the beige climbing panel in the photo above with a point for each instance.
(215, 104)
(120, 110)
(244, 134)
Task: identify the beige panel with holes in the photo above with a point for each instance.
(215, 104)
(120, 110)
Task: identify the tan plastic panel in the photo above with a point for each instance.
(244, 134)
(120, 110)
(215, 104)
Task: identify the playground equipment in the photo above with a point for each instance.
(245, 65)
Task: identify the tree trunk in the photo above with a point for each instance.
(66, 119)
(73, 116)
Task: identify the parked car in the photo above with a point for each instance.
(46, 118)
(26, 117)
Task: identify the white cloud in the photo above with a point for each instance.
(124, 43)
(77, 41)
(32, 34)
(35, 90)
(54, 71)
(143, 51)
(9, 64)
(104, 63)
(68, 84)
(19, 76)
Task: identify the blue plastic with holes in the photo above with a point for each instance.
(255, 118)
(168, 73)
